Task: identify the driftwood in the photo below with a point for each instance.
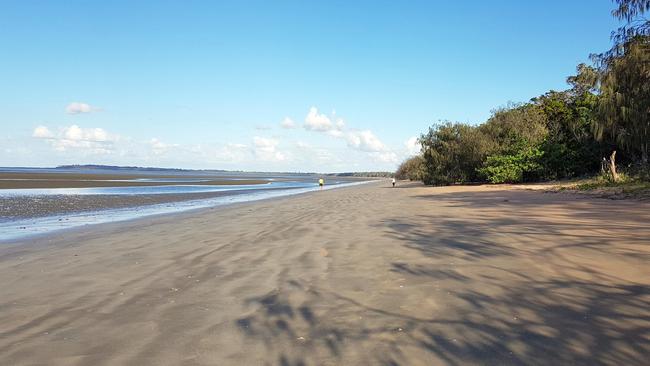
(612, 166)
(608, 167)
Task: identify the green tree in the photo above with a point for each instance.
(512, 128)
(453, 152)
(569, 149)
(632, 12)
(411, 168)
(624, 106)
(522, 166)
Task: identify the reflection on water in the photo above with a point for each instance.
(138, 190)
(11, 230)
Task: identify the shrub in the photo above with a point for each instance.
(520, 167)
(411, 169)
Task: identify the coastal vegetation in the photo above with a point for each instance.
(363, 174)
(599, 126)
(411, 169)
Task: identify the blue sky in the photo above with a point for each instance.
(208, 84)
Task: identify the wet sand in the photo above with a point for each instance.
(13, 208)
(364, 275)
(84, 180)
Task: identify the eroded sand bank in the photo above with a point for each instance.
(359, 275)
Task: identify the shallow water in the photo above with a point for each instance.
(17, 229)
(139, 190)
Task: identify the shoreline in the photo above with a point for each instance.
(42, 226)
(40, 180)
(32, 207)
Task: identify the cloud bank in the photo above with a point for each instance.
(331, 146)
(96, 140)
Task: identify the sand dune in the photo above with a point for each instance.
(364, 275)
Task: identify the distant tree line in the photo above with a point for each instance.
(364, 174)
(560, 134)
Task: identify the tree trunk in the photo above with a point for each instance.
(612, 166)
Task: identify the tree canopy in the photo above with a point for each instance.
(559, 134)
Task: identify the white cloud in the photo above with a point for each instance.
(236, 146)
(335, 133)
(365, 141)
(232, 153)
(288, 123)
(309, 155)
(158, 147)
(315, 121)
(266, 149)
(94, 140)
(413, 146)
(78, 107)
(385, 157)
(42, 132)
(328, 145)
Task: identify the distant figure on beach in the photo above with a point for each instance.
(321, 183)
(393, 182)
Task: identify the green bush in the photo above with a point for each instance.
(452, 152)
(411, 169)
(520, 167)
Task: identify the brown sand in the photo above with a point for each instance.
(356, 276)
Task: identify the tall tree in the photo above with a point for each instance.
(632, 12)
(625, 98)
(452, 153)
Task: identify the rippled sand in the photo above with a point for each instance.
(364, 275)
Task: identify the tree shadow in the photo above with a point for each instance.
(539, 323)
(500, 310)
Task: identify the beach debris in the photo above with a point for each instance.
(301, 338)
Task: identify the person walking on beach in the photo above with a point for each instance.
(393, 182)
(321, 183)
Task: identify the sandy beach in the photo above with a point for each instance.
(365, 275)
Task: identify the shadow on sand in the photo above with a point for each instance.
(569, 313)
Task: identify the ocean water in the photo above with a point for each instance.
(182, 187)
(22, 228)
